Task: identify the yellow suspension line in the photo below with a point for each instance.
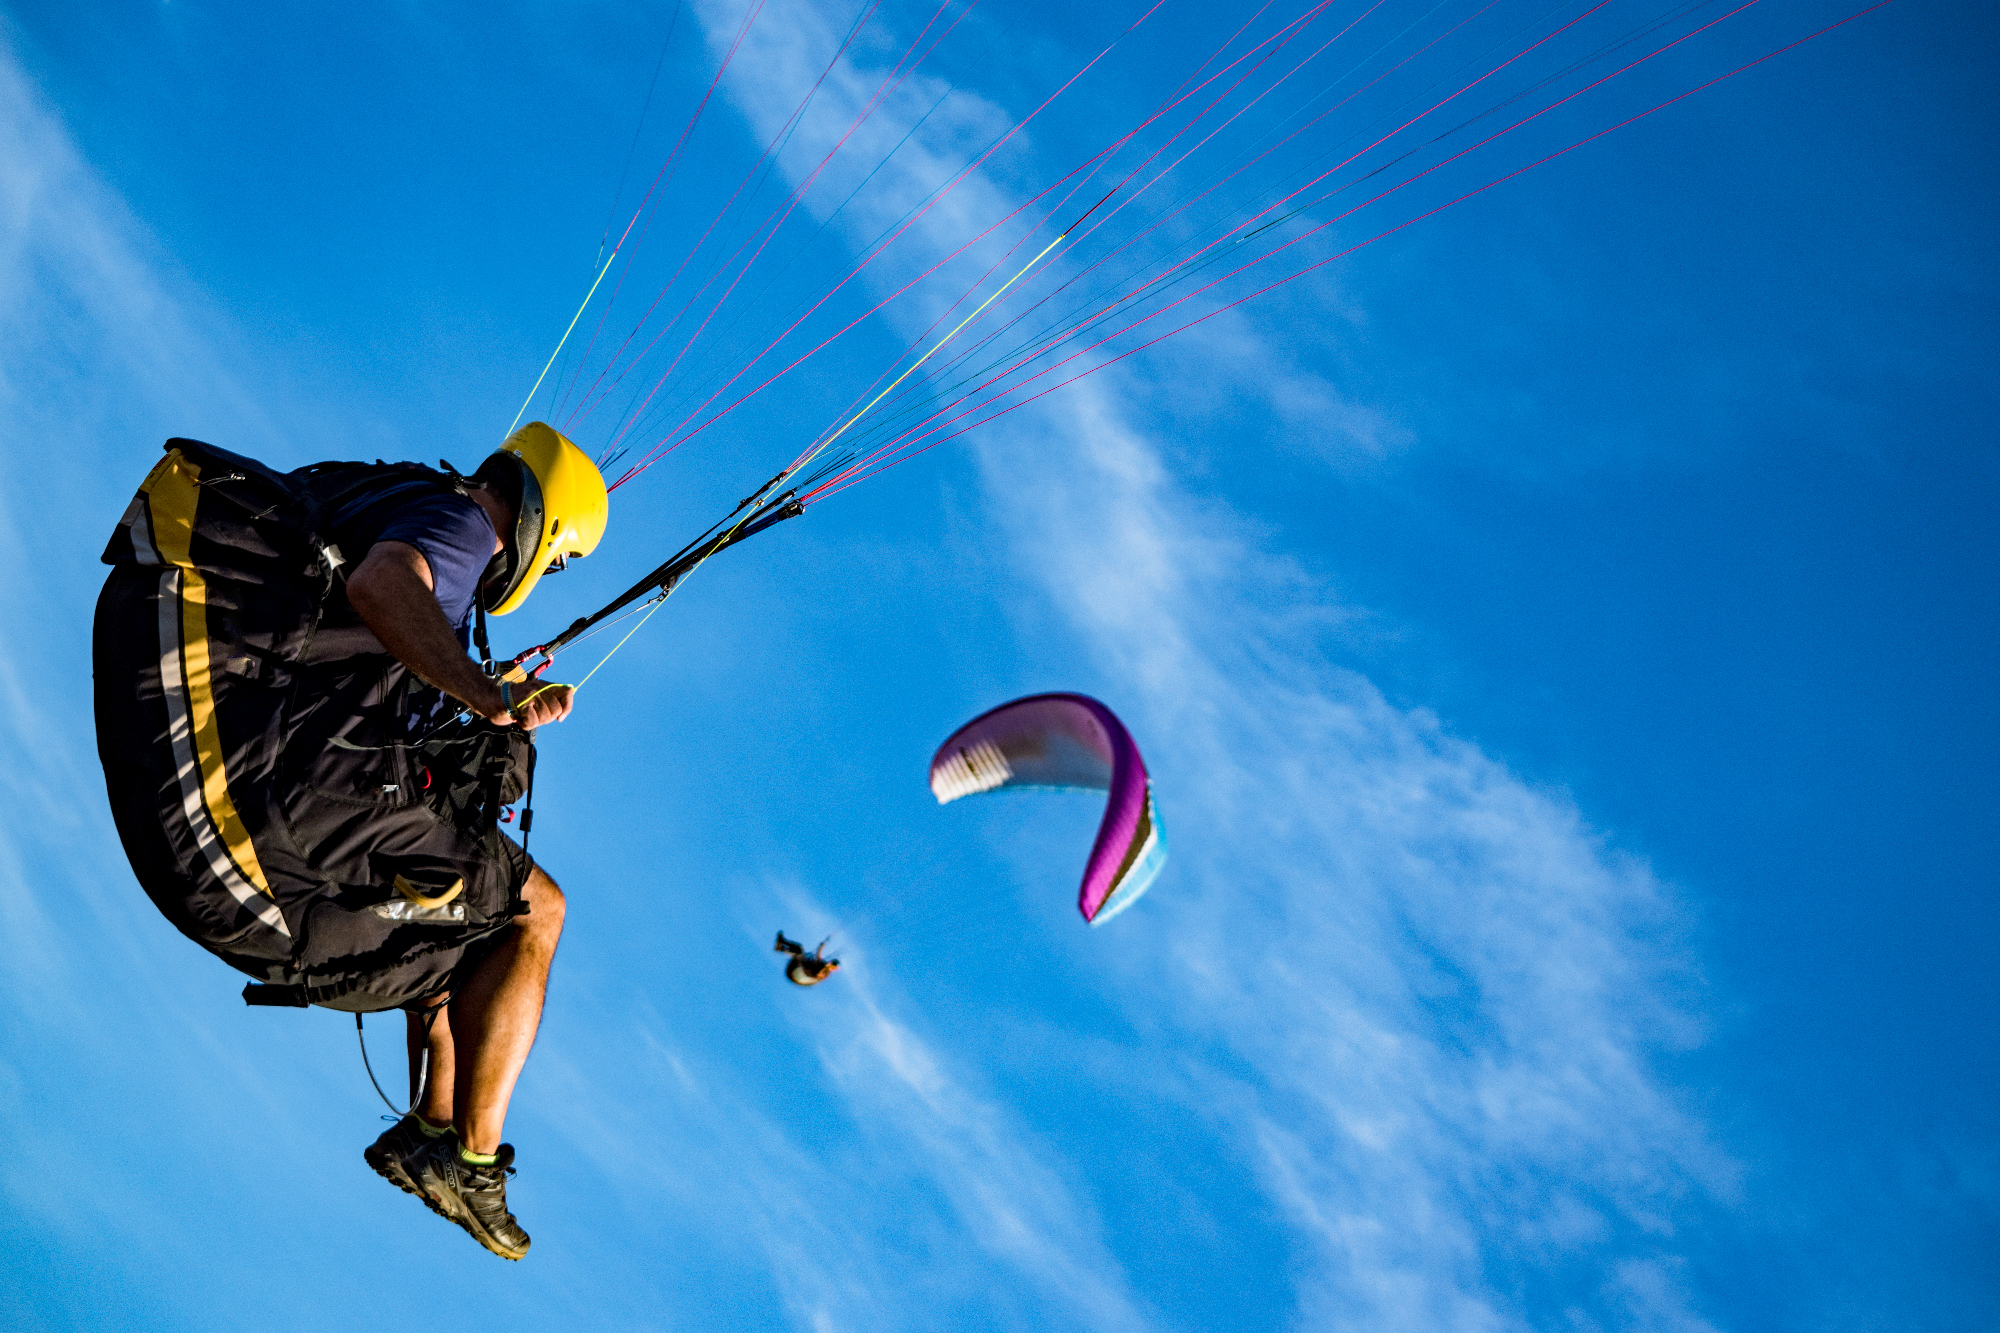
(816, 452)
(565, 338)
(658, 602)
(550, 685)
(825, 444)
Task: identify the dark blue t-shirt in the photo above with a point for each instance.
(452, 532)
(456, 539)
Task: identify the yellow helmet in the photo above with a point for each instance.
(560, 508)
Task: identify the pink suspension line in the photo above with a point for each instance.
(860, 471)
(892, 81)
(1173, 99)
(633, 414)
(588, 402)
(1102, 223)
(1197, 255)
(664, 446)
(1192, 258)
(669, 441)
(665, 173)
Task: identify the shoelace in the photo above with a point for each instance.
(485, 1187)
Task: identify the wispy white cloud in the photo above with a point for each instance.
(1437, 992)
(1448, 987)
(70, 282)
(90, 296)
(1415, 995)
(1006, 1189)
(924, 1193)
(103, 340)
(109, 341)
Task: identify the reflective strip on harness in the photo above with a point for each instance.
(172, 493)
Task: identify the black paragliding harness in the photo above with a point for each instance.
(494, 768)
(257, 737)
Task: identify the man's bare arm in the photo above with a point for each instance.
(392, 591)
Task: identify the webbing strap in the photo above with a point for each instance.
(479, 634)
(279, 997)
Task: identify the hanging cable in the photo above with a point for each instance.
(363, 1039)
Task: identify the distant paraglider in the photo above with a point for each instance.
(1066, 742)
(802, 968)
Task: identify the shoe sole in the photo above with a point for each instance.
(390, 1168)
(447, 1205)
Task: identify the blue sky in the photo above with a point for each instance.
(1561, 634)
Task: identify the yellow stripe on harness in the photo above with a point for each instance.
(172, 491)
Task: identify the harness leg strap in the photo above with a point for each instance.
(277, 997)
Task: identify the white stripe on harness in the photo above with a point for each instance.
(188, 767)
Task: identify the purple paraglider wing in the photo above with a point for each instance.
(1066, 741)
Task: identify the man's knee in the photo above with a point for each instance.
(545, 904)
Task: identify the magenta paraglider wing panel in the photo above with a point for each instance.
(1065, 741)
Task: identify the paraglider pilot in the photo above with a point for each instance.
(273, 654)
(802, 968)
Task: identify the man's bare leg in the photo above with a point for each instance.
(393, 1154)
(492, 1021)
(430, 1097)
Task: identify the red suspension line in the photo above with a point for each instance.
(888, 85)
(654, 341)
(1308, 185)
(587, 402)
(664, 174)
(1173, 100)
(668, 442)
(1159, 221)
(1279, 203)
(853, 475)
(664, 447)
(1323, 175)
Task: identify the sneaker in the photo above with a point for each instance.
(394, 1154)
(475, 1197)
